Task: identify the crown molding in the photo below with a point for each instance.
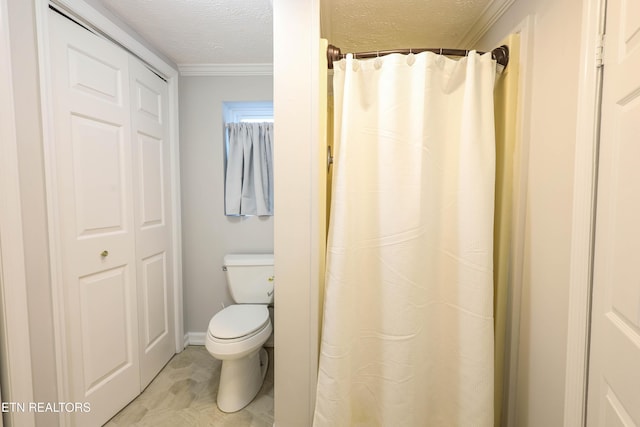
(225, 70)
(491, 13)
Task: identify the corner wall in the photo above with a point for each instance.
(507, 198)
(549, 134)
(207, 234)
(24, 58)
(299, 218)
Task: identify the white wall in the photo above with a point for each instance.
(207, 234)
(298, 217)
(32, 194)
(15, 359)
(550, 133)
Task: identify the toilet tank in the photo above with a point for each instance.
(250, 277)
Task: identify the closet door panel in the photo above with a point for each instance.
(152, 219)
(99, 177)
(151, 185)
(154, 288)
(91, 75)
(106, 321)
(94, 210)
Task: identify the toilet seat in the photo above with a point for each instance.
(238, 330)
(239, 321)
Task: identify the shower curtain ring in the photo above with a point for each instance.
(440, 51)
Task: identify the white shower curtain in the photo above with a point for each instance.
(407, 335)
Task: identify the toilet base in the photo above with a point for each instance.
(241, 379)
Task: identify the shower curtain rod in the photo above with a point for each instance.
(500, 54)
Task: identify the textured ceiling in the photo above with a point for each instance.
(357, 25)
(241, 31)
(203, 31)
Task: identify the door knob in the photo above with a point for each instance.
(104, 254)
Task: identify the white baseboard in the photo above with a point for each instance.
(185, 341)
(195, 338)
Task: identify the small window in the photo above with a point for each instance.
(248, 141)
(250, 111)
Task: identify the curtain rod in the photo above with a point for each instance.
(500, 54)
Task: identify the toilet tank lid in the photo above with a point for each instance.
(248, 259)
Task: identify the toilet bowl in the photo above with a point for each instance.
(238, 332)
(236, 336)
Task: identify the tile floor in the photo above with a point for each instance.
(184, 394)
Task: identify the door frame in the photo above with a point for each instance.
(104, 25)
(583, 221)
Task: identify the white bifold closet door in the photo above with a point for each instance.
(113, 216)
(614, 358)
(152, 206)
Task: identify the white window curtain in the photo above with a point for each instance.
(249, 175)
(407, 335)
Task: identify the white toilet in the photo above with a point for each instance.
(237, 333)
